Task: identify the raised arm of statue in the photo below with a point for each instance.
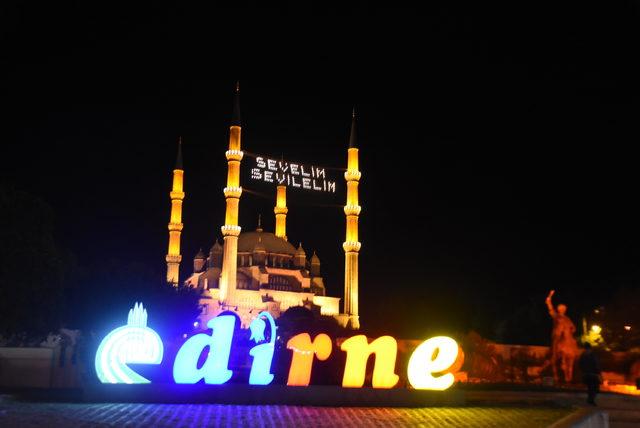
(552, 310)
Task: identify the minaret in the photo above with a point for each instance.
(232, 193)
(351, 245)
(175, 223)
(281, 211)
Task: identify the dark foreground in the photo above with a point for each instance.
(28, 414)
(482, 409)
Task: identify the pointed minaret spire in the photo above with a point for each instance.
(259, 229)
(351, 244)
(232, 193)
(235, 119)
(353, 143)
(179, 156)
(174, 257)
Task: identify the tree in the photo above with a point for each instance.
(32, 267)
(101, 295)
(619, 320)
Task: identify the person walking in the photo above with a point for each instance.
(590, 373)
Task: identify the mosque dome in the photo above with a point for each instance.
(247, 241)
(259, 247)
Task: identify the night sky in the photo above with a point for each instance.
(497, 142)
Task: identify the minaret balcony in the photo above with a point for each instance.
(352, 246)
(351, 175)
(173, 258)
(234, 155)
(232, 192)
(352, 209)
(281, 210)
(176, 195)
(230, 230)
(175, 227)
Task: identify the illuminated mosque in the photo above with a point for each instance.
(258, 270)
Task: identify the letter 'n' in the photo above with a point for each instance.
(358, 351)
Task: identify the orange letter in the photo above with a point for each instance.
(358, 350)
(303, 352)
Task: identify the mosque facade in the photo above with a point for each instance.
(254, 271)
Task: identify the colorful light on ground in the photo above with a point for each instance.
(435, 355)
(134, 343)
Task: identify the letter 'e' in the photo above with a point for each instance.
(422, 364)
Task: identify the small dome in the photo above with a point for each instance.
(200, 255)
(272, 244)
(216, 248)
(315, 260)
(300, 251)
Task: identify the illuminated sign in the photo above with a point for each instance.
(262, 354)
(304, 350)
(296, 175)
(423, 365)
(134, 343)
(358, 350)
(214, 370)
(205, 357)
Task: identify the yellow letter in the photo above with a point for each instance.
(303, 352)
(358, 350)
(422, 364)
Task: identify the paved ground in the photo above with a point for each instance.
(24, 414)
(485, 409)
(623, 410)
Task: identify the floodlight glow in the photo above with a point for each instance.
(214, 370)
(134, 343)
(422, 364)
(262, 354)
(596, 329)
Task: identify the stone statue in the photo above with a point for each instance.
(563, 345)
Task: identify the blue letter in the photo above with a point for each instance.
(214, 371)
(262, 354)
(133, 343)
